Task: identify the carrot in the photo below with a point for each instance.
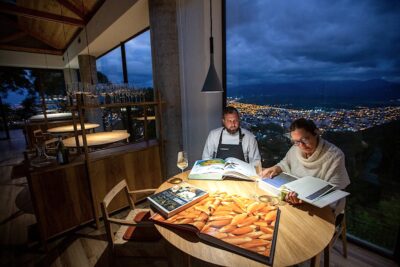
(243, 230)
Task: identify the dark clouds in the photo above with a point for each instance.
(138, 57)
(273, 41)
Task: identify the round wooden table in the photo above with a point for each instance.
(304, 231)
(149, 118)
(70, 128)
(52, 117)
(97, 139)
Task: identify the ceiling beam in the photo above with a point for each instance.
(35, 14)
(38, 37)
(31, 50)
(68, 5)
(12, 37)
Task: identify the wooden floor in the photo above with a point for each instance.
(87, 246)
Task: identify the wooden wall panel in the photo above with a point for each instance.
(141, 169)
(61, 198)
(62, 195)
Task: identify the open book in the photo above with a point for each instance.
(218, 169)
(231, 222)
(176, 198)
(312, 190)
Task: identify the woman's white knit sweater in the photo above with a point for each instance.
(326, 163)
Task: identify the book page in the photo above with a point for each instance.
(234, 166)
(279, 180)
(310, 188)
(330, 198)
(210, 169)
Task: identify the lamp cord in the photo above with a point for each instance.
(210, 18)
(65, 40)
(87, 44)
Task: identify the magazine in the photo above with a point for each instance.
(231, 222)
(176, 198)
(219, 169)
(312, 190)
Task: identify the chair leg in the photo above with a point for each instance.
(315, 261)
(344, 239)
(327, 255)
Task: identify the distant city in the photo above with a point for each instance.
(339, 120)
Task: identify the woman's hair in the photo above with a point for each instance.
(307, 125)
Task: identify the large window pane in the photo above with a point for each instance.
(110, 67)
(336, 63)
(138, 61)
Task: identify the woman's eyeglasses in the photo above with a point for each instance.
(304, 141)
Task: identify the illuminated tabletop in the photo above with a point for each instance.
(70, 128)
(304, 231)
(97, 139)
(52, 116)
(149, 118)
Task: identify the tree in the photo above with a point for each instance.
(51, 81)
(102, 78)
(28, 107)
(15, 80)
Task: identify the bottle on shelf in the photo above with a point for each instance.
(62, 152)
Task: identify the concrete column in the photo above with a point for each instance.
(165, 57)
(87, 69)
(70, 76)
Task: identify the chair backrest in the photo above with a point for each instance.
(122, 185)
(37, 132)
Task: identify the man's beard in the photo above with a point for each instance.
(232, 131)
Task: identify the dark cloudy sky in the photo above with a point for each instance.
(292, 40)
(138, 57)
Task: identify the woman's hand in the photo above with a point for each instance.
(291, 197)
(271, 171)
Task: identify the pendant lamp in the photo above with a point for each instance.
(212, 83)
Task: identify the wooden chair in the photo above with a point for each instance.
(49, 141)
(135, 237)
(340, 231)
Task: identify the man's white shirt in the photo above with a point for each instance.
(249, 144)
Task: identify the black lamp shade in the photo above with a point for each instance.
(212, 83)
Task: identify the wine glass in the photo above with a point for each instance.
(182, 161)
(258, 167)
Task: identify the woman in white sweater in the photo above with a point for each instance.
(311, 155)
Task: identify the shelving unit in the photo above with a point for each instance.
(81, 107)
(83, 183)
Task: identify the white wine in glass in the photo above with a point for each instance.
(182, 161)
(258, 167)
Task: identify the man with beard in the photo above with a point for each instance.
(231, 140)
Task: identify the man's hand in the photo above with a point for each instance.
(291, 197)
(271, 172)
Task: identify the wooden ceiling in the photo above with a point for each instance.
(43, 26)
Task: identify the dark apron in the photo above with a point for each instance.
(224, 150)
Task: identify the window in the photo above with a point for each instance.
(110, 67)
(335, 63)
(138, 61)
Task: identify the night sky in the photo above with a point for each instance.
(289, 41)
(138, 57)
